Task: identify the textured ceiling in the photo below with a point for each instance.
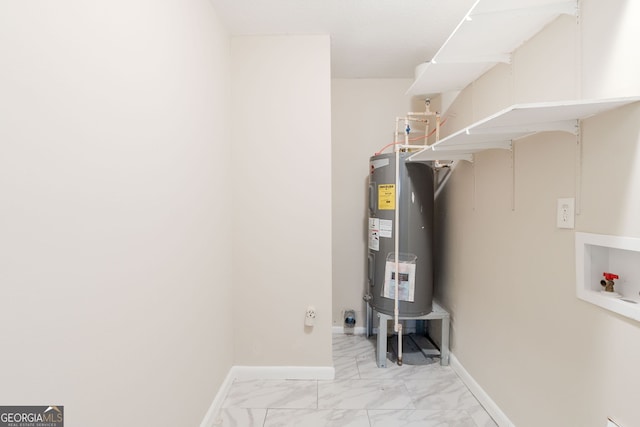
(369, 38)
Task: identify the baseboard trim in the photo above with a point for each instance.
(485, 400)
(358, 330)
(328, 373)
(211, 419)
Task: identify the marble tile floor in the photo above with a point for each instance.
(361, 395)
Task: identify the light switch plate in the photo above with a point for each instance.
(566, 213)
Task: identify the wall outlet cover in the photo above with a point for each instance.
(310, 316)
(566, 213)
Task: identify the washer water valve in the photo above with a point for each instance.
(608, 281)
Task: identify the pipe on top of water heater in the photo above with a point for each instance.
(396, 312)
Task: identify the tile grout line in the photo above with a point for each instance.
(413, 402)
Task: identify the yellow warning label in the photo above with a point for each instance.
(386, 196)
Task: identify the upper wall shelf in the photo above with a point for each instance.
(517, 121)
(487, 35)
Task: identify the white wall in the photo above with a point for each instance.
(114, 220)
(508, 276)
(282, 199)
(610, 35)
(363, 115)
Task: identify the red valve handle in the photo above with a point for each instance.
(610, 276)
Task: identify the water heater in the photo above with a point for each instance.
(413, 197)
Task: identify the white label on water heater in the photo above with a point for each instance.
(407, 285)
(386, 228)
(374, 234)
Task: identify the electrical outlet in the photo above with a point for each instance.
(310, 316)
(566, 213)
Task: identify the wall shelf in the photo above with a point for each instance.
(517, 121)
(597, 253)
(486, 36)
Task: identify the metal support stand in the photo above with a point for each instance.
(369, 321)
(438, 313)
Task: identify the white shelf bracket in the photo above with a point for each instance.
(473, 165)
(513, 177)
(578, 11)
(570, 126)
(579, 158)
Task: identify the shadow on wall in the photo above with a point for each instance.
(365, 254)
(611, 173)
(608, 68)
(439, 246)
